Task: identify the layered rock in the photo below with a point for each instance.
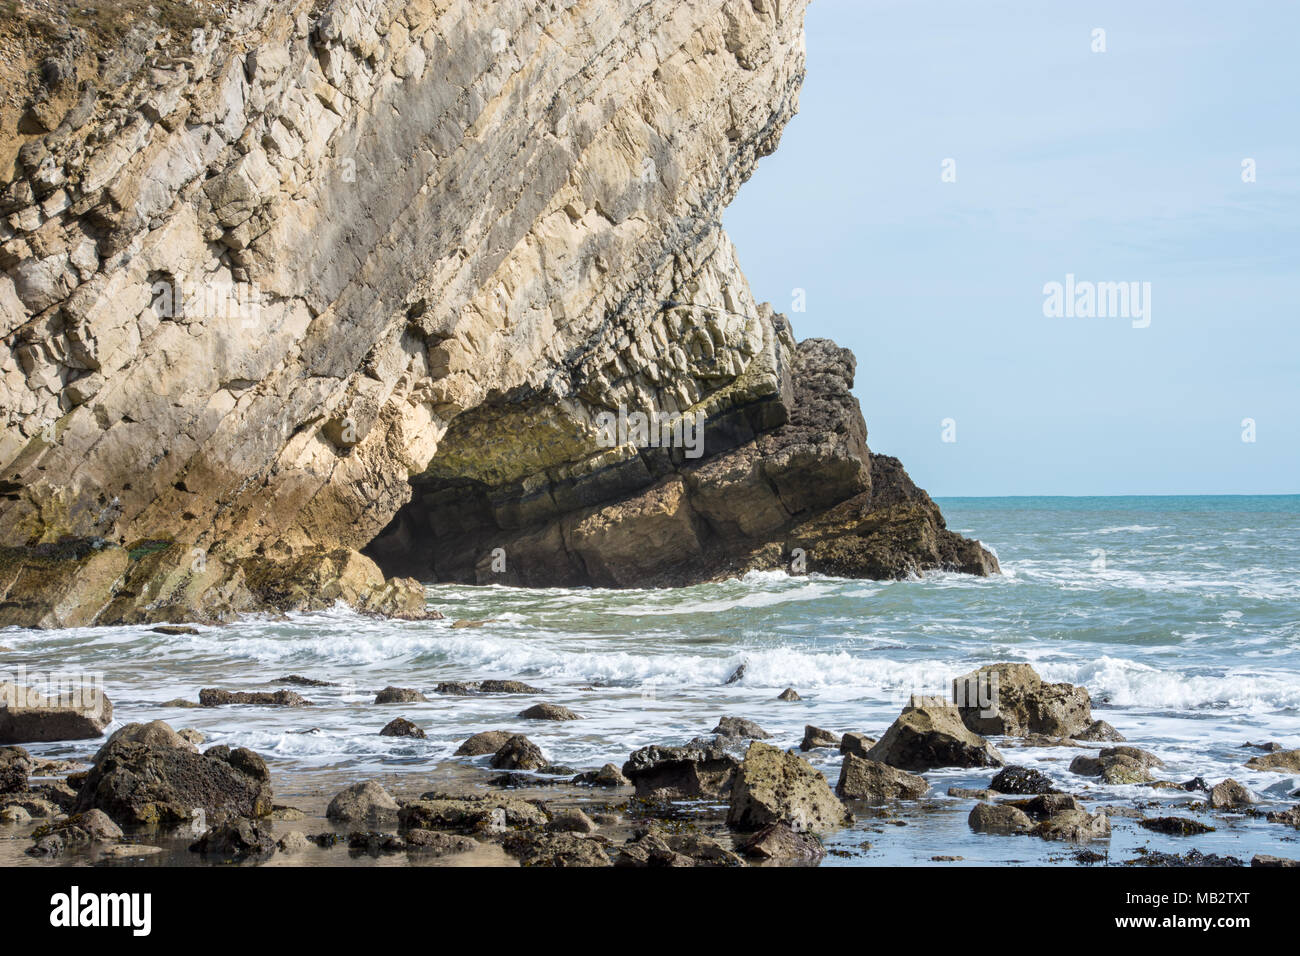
(271, 274)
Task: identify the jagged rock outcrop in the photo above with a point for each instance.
(269, 272)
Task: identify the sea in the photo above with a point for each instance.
(1179, 614)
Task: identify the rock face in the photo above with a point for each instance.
(365, 274)
(773, 786)
(1012, 700)
(930, 734)
(140, 783)
(27, 717)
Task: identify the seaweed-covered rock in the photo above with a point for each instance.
(400, 695)
(774, 786)
(1022, 780)
(548, 712)
(15, 764)
(656, 846)
(930, 734)
(1118, 765)
(213, 697)
(1175, 826)
(1285, 761)
(778, 841)
(999, 818)
(1229, 794)
(139, 783)
(434, 811)
(554, 849)
(236, 840)
(401, 727)
(519, 753)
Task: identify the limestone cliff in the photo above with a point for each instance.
(266, 272)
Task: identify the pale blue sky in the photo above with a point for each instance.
(1123, 165)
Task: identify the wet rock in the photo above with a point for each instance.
(1190, 858)
(236, 840)
(778, 841)
(486, 742)
(287, 814)
(212, 697)
(180, 702)
(1047, 805)
(607, 776)
(998, 818)
(299, 681)
(1265, 859)
(698, 770)
(400, 695)
(130, 851)
(293, 842)
(140, 783)
(862, 779)
(814, 737)
(1041, 740)
(15, 816)
(518, 753)
(1175, 826)
(554, 849)
(1229, 794)
(1270, 747)
(366, 802)
(435, 843)
(490, 813)
(856, 744)
(456, 688)
(1022, 780)
(1012, 700)
(773, 786)
(1289, 817)
(28, 717)
(175, 630)
(788, 695)
(456, 625)
(1100, 731)
(156, 733)
(401, 727)
(1279, 760)
(969, 793)
(548, 712)
(656, 846)
(1074, 826)
(15, 764)
(191, 736)
(508, 687)
(571, 820)
(737, 674)
(930, 734)
(740, 727)
(1118, 765)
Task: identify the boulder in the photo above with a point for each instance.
(1101, 732)
(27, 717)
(1012, 700)
(856, 744)
(15, 764)
(998, 818)
(212, 697)
(773, 786)
(814, 737)
(607, 776)
(156, 733)
(1118, 765)
(740, 727)
(1022, 780)
(400, 695)
(778, 841)
(401, 727)
(485, 742)
(236, 840)
(930, 734)
(1175, 826)
(435, 811)
(863, 779)
(1075, 826)
(571, 820)
(507, 687)
(1229, 794)
(138, 783)
(1286, 761)
(548, 712)
(518, 753)
(554, 849)
(788, 694)
(695, 771)
(366, 802)
(655, 846)
(1265, 859)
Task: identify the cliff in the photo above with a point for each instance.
(289, 282)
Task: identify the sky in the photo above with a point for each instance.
(1122, 165)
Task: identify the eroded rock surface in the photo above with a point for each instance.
(285, 280)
